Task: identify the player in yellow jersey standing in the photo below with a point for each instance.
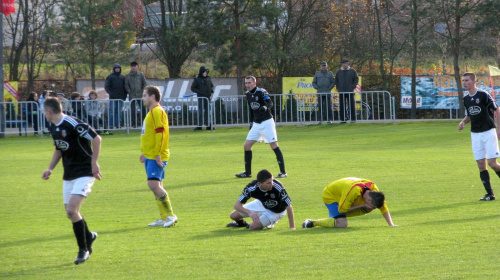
(155, 153)
(350, 197)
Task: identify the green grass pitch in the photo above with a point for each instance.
(426, 170)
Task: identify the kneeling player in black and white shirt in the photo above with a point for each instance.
(271, 204)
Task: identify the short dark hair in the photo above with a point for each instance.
(152, 90)
(471, 75)
(264, 175)
(53, 104)
(133, 63)
(378, 198)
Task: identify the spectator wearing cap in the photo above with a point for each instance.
(204, 88)
(135, 82)
(115, 87)
(346, 80)
(324, 82)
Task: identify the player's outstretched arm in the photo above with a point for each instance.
(387, 217)
(291, 219)
(53, 162)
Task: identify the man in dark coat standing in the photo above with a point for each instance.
(346, 81)
(324, 82)
(115, 87)
(204, 88)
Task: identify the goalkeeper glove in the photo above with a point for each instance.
(262, 109)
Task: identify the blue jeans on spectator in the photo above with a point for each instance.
(115, 110)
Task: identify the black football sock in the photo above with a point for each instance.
(242, 222)
(485, 178)
(88, 234)
(279, 157)
(79, 230)
(248, 162)
(498, 173)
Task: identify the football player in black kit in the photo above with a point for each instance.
(480, 110)
(78, 145)
(270, 205)
(262, 127)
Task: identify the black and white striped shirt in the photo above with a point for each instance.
(73, 138)
(275, 199)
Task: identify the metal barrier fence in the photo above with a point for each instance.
(111, 115)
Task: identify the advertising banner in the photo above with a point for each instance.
(303, 89)
(10, 92)
(439, 92)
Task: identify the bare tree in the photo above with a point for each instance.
(462, 21)
(173, 31)
(36, 16)
(27, 30)
(93, 30)
(288, 40)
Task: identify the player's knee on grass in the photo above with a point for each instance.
(341, 223)
(263, 222)
(235, 215)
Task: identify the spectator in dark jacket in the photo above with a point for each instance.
(324, 82)
(204, 88)
(115, 87)
(346, 81)
(135, 82)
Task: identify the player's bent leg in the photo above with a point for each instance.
(341, 222)
(156, 188)
(73, 207)
(328, 223)
(247, 146)
(256, 225)
(493, 163)
(238, 220)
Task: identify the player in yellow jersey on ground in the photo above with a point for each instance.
(349, 197)
(155, 153)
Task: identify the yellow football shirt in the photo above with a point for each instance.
(155, 134)
(348, 192)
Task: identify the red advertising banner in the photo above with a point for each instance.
(7, 7)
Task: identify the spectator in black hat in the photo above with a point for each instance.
(324, 82)
(346, 81)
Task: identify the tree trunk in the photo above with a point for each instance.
(455, 50)
(413, 114)
(381, 50)
(239, 55)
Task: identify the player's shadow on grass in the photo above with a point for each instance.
(232, 232)
(198, 184)
(61, 237)
(28, 273)
(460, 220)
(227, 232)
(412, 211)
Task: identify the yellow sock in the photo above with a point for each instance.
(166, 205)
(330, 222)
(163, 214)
